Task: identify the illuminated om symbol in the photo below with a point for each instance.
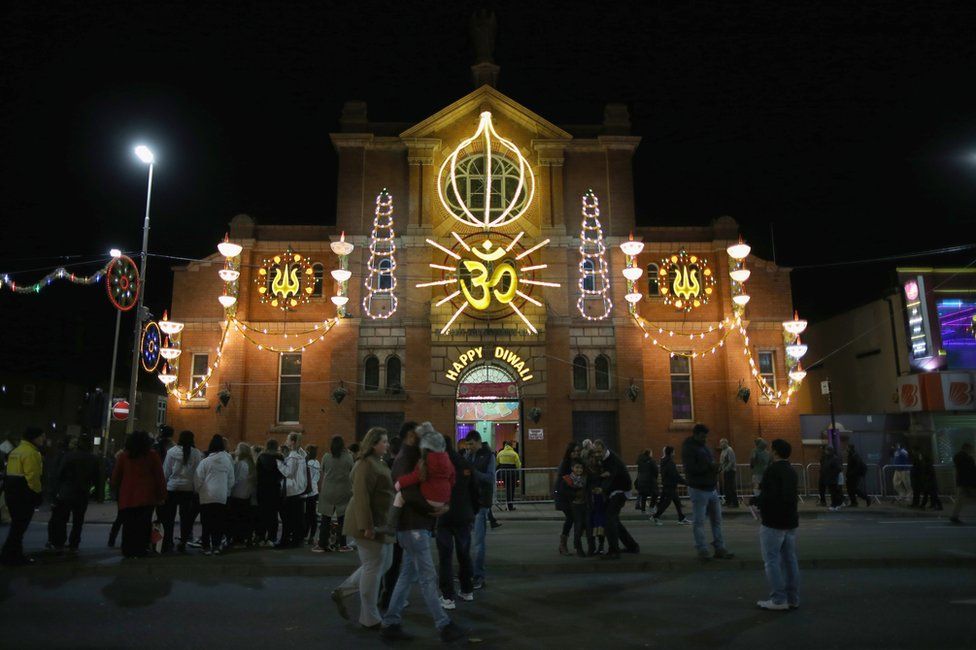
(487, 285)
(285, 282)
(686, 285)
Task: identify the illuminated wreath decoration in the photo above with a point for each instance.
(686, 281)
(286, 280)
(151, 340)
(122, 283)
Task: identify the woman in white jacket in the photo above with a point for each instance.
(214, 482)
(179, 469)
(295, 470)
(312, 494)
(240, 509)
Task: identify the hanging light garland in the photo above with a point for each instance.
(59, 273)
(658, 335)
(593, 253)
(326, 326)
(382, 250)
(341, 275)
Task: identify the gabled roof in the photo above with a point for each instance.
(502, 104)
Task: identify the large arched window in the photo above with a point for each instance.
(385, 268)
(589, 277)
(371, 374)
(318, 273)
(470, 178)
(601, 369)
(580, 372)
(394, 380)
(653, 283)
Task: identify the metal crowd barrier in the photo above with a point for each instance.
(945, 480)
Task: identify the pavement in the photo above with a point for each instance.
(870, 579)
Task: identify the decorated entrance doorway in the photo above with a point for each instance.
(488, 402)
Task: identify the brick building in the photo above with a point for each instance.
(533, 369)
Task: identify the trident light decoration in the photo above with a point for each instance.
(594, 284)
(380, 281)
(488, 275)
(686, 281)
(286, 280)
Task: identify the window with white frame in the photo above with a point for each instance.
(160, 411)
(767, 367)
(289, 386)
(653, 284)
(682, 406)
(198, 373)
(318, 273)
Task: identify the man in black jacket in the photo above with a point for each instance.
(965, 480)
(777, 501)
(78, 472)
(482, 461)
(616, 484)
(701, 473)
(454, 530)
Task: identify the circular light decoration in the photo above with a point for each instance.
(686, 281)
(486, 160)
(122, 283)
(286, 280)
(151, 343)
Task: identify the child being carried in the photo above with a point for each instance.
(434, 473)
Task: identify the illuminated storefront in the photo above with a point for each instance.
(484, 291)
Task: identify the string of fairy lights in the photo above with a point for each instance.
(380, 281)
(593, 261)
(60, 273)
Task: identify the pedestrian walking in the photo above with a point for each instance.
(214, 483)
(930, 483)
(561, 498)
(965, 480)
(368, 507)
(616, 485)
(670, 480)
(701, 473)
(901, 478)
(857, 470)
(295, 471)
(79, 473)
(726, 461)
(138, 476)
(833, 471)
(268, 494)
(413, 533)
(758, 462)
(453, 533)
(334, 494)
(647, 475)
(407, 456)
(23, 491)
(240, 506)
(312, 494)
(509, 463)
(179, 470)
(483, 470)
(777, 502)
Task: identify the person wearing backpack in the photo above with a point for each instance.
(296, 473)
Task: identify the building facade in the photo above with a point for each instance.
(520, 327)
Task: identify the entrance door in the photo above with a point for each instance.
(488, 402)
(390, 421)
(596, 425)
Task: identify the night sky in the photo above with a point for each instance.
(850, 131)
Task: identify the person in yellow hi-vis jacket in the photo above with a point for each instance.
(23, 489)
(509, 463)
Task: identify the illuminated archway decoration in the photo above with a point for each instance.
(686, 281)
(486, 144)
(286, 280)
(149, 349)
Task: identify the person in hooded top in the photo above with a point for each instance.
(214, 482)
(179, 470)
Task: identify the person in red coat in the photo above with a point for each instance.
(138, 477)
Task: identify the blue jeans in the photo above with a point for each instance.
(478, 543)
(782, 569)
(417, 567)
(702, 502)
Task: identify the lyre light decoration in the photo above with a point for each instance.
(686, 281)
(487, 275)
(341, 275)
(286, 280)
(380, 281)
(593, 253)
(483, 213)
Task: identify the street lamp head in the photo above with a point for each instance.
(145, 155)
(115, 253)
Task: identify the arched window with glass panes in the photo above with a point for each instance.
(580, 373)
(318, 273)
(371, 373)
(385, 269)
(589, 277)
(601, 371)
(653, 283)
(394, 372)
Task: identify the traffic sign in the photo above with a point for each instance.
(120, 410)
(825, 388)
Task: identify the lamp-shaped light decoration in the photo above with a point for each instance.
(340, 301)
(169, 327)
(798, 373)
(169, 352)
(343, 249)
(633, 273)
(739, 251)
(228, 248)
(341, 275)
(228, 275)
(227, 300)
(741, 299)
(632, 248)
(740, 275)
(634, 297)
(166, 375)
(796, 326)
(796, 350)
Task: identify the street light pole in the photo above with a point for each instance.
(146, 156)
(116, 253)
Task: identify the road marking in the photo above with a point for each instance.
(902, 523)
(963, 602)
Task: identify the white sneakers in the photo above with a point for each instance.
(770, 605)
(447, 603)
(466, 597)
